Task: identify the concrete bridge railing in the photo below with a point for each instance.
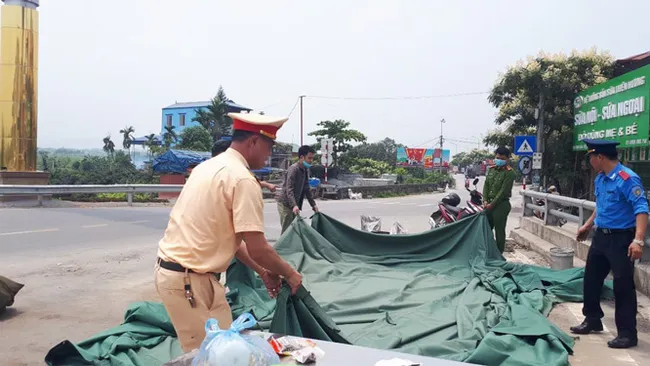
(558, 225)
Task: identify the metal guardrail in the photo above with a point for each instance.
(130, 189)
(45, 190)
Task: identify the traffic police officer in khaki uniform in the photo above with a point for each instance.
(620, 218)
(220, 205)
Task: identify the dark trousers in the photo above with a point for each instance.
(609, 252)
(498, 218)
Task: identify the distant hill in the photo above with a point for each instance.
(64, 151)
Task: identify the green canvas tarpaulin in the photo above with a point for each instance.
(446, 293)
(8, 291)
(146, 338)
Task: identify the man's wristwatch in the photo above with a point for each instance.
(638, 242)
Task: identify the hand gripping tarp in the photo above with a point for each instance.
(445, 293)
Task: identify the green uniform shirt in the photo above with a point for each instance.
(498, 185)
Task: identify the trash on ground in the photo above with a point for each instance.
(370, 223)
(398, 229)
(354, 196)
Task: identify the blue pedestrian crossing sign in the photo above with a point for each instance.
(525, 145)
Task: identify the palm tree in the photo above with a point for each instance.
(214, 117)
(127, 138)
(151, 142)
(169, 136)
(109, 145)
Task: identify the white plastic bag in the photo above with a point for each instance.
(370, 223)
(230, 348)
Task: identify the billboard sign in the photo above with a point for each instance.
(422, 158)
(614, 110)
(441, 158)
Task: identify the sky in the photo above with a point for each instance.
(104, 65)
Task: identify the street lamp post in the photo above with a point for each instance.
(442, 121)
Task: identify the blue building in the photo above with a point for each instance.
(180, 115)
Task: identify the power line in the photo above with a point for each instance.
(400, 98)
(294, 108)
(464, 141)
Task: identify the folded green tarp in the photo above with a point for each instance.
(446, 293)
(146, 338)
(8, 291)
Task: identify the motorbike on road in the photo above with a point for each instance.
(448, 210)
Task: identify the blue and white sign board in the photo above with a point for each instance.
(525, 165)
(525, 145)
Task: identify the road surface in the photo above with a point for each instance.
(82, 267)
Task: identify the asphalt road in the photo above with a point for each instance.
(34, 231)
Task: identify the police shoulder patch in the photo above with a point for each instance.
(637, 191)
(624, 175)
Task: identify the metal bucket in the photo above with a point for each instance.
(561, 258)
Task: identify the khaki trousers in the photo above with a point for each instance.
(209, 298)
(286, 216)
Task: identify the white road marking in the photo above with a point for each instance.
(28, 232)
(427, 205)
(92, 226)
(136, 222)
(390, 203)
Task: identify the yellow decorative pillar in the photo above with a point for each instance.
(18, 85)
(19, 93)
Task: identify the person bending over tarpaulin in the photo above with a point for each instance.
(219, 215)
(296, 188)
(497, 190)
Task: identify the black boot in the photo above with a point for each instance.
(623, 342)
(587, 327)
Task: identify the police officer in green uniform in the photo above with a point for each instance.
(620, 218)
(496, 194)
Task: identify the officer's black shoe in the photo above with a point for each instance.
(623, 342)
(587, 327)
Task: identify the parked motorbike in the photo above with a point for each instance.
(542, 203)
(448, 210)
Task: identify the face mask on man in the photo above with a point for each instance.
(499, 162)
(306, 164)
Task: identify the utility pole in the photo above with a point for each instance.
(537, 173)
(442, 121)
(301, 121)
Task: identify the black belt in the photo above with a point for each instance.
(616, 231)
(171, 266)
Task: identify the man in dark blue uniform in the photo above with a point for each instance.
(620, 218)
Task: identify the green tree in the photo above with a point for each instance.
(369, 168)
(475, 156)
(109, 145)
(169, 136)
(214, 117)
(195, 138)
(151, 144)
(340, 131)
(553, 79)
(384, 151)
(127, 136)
